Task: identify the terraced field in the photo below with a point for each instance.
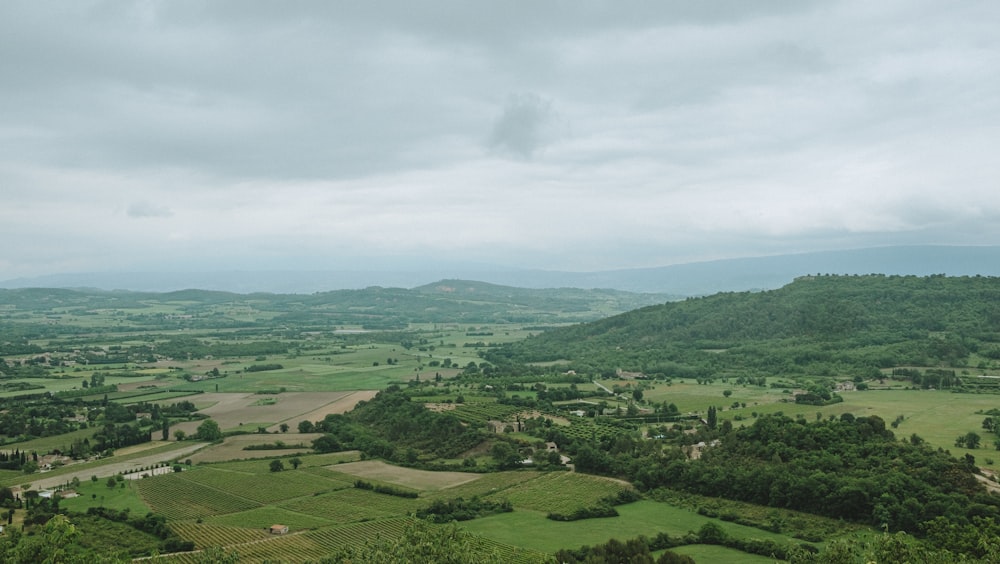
(561, 492)
(175, 497)
(351, 505)
(263, 488)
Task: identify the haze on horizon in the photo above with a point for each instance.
(220, 135)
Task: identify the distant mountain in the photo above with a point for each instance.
(691, 279)
(445, 301)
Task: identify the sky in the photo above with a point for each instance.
(561, 135)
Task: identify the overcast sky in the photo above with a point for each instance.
(578, 135)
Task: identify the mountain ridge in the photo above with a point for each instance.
(686, 279)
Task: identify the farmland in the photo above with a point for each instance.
(340, 431)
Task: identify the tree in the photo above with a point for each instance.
(52, 544)
(713, 417)
(505, 455)
(179, 435)
(637, 394)
(277, 466)
(217, 555)
(306, 426)
(209, 431)
(296, 462)
(283, 427)
(422, 542)
(972, 440)
(727, 393)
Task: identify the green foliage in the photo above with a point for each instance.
(389, 424)
(816, 325)
(57, 541)
(209, 430)
(853, 469)
(384, 489)
(421, 542)
(459, 509)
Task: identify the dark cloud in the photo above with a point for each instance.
(523, 126)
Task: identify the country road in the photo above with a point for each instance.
(40, 482)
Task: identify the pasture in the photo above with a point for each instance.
(937, 416)
(530, 529)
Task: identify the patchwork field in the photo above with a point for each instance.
(416, 479)
(233, 411)
(232, 448)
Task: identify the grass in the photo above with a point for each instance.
(529, 529)
(713, 553)
(98, 494)
(937, 416)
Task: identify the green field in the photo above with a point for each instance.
(99, 494)
(530, 529)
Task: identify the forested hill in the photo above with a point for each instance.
(375, 307)
(817, 325)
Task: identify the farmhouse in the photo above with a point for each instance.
(278, 529)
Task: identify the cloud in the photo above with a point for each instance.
(147, 209)
(636, 135)
(524, 126)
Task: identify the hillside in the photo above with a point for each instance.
(447, 301)
(818, 325)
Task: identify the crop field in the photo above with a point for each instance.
(175, 497)
(318, 460)
(305, 546)
(486, 484)
(206, 534)
(235, 410)
(352, 504)
(407, 477)
(261, 488)
(561, 492)
(337, 370)
(232, 447)
(262, 517)
(166, 396)
(339, 405)
(332, 538)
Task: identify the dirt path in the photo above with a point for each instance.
(39, 482)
